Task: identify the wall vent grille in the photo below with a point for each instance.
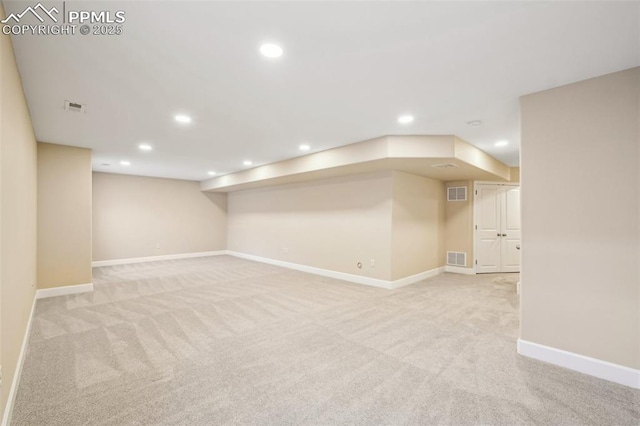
(457, 258)
(444, 166)
(457, 193)
(75, 106)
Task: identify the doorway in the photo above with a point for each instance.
(497, 228)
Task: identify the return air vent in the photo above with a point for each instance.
(444, 166)
(456, 258)
(75, 106)
(457, 193)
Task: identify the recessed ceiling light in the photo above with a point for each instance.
(248, 163)
(212, 173)
(405, 119)
(125, 163)
(271, 50)
(502, 143)
(145, 147)
(475, 123)
(182, 118)
(304, 147)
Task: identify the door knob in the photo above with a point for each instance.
(498, 235)
(504, 235)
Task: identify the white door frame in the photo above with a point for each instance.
(475, 223)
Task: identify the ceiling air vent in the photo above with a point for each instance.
(444, 165)
(75, 106)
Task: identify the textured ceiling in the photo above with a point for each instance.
(348, 71)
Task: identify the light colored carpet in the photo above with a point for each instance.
(222, 340)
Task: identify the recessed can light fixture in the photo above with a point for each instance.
(180, 118)
(502, 143)
(211, 173)
(304, 147)
(247, 163)
(475, 123)
(145, 147)
(125, 163)
(405, 119)
(271, 50)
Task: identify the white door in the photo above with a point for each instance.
(488, 232)
(510, 224)
(497, 215)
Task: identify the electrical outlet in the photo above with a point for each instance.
(373, 263)
(285, 250)
(157, 245)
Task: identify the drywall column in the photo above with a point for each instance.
(64, 216)
(18, 170)
(418, 224)
(580, 156)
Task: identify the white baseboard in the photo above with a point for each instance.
(416, 278)
(317, 271)
(594, 367)
(63, 291)
(358, 279)
(8, 409)
(128, 261)
(459, 270)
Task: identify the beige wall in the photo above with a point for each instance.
(330, 224)
(459, 223)
(136, 216)
(580, 218)
(17, 212)
(394, 219)
(64, 215)
(418, 225)
(515, 174)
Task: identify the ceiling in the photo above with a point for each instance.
(348, 71)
